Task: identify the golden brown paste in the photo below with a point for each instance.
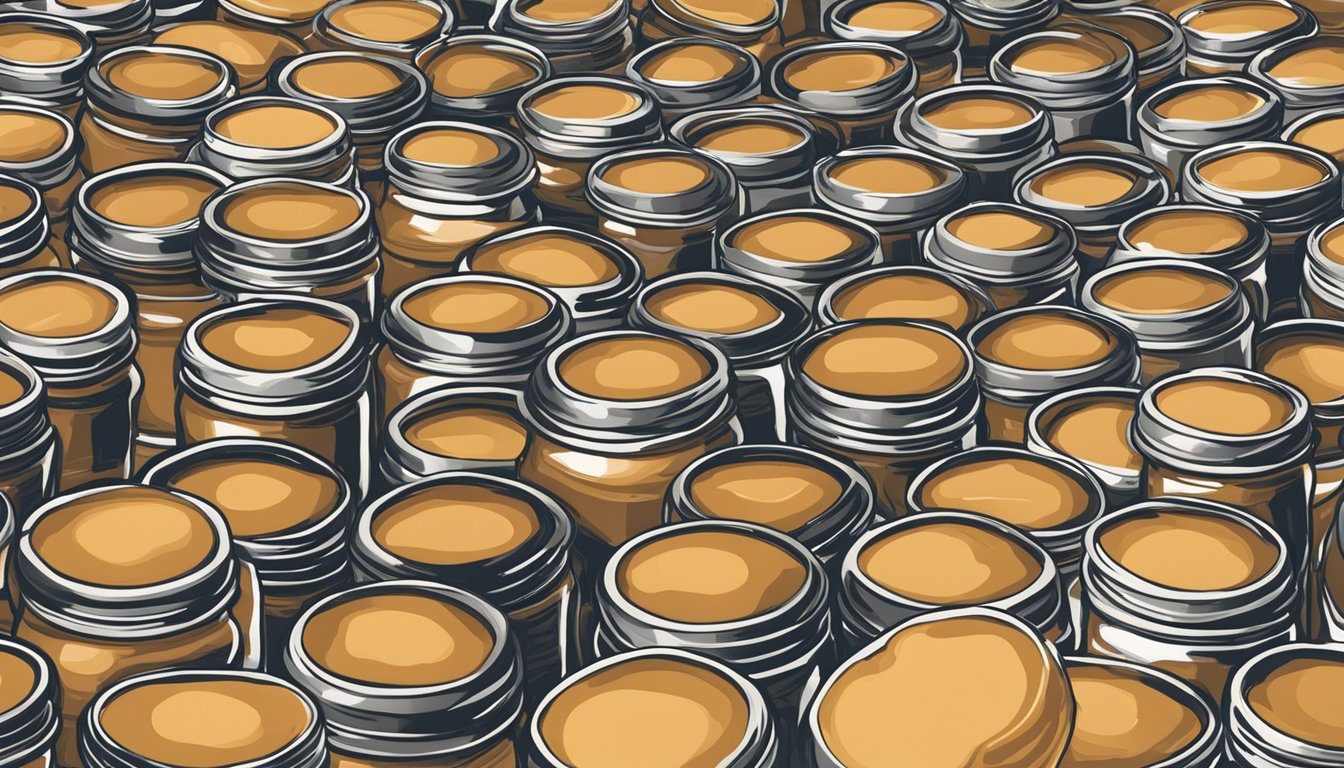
(1189, 551)
(455, 523)
(947, 563)
(784, 495)
(1026, 493)
(261, 497)
(633, 368)
(886, 361)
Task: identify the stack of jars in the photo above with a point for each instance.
(671, 383)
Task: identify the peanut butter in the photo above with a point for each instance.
(1224, 407)
(55, 308)
(916, 297)
(743, 13)
(346, 77)
(261, 497)
(482, 434)
(162, 75)
(88, 539)
(783, 495)
(1001, 230)
(452, 524)
(1019, 491)
(1324, 135)
(889, 175)
(896, 16)
(1096, 431)
(657, 175)
(840, 71)
(633, 368)
(404, 640)
(251, 52)
(586, 102)
(979, 113)
(561, 11)
(290, 212)
(1192, 232)
(549, 260)
(478, 69)
(1209, 104)
(37, 45)
(1260, 170)
(282, 339)
(1161, 291)
(1313, 67)
(713, 308)
(692, 63)
(949, 564)
(205, 723)
(1308, 363)
(388, 21)
(154, 201)
(1123, 719)
(1084, 184)
(1062, 56)
(751, 138)
(276, 126)
(1302, 699)
(17, 676)
(797, 239)
(1047, 342)
(1240, 19)
(1005, 691)
(29, 136)
(672, 714)
(476, 308)
(886, 361)
(709, 577)
(1189, 551)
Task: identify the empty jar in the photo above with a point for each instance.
(891, 396)
(449, 186)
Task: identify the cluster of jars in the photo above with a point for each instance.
(671, 383)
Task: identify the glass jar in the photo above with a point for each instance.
(1159, 44)
(741, 593)
(1016, 255)
(226, 717)
(110, 25)
(1051, 498)
(410, 672)
(1166, 722)
(1237, 437)
(465, 329)
(252, 53)
(919, 564)
(1290, 188)
(1085, 79)
(823, 502)
(614, 416)
(1302, 352)
(1222, 36)
(770, 149)
(752, 24)
(921, 294)
(1189, 115)
(375, 95)
(989, 130)
(1319, 130)
(1322, 284)
(800, 250)
(455, 427)
(287, 508)
(1091, 425)
(281, 367)
(664, 204)
(40, 146)
(669, 702)
(8, 525)
(1026, 354)
(136, 226)
(25, 230)
(450, 185)
(689, 74)
(479, 78)
(900, 192)
(1188, 586)
(30, 451)
(1095, 193)
(1305, 72)
(1225, 239)
(591, 36)
(118, 579)
(753, 324)
(78, 333)
(1279, 712)
(29, 719)
(595, 277)
(857, 86)
(265, 136)
(569, 123)
(43, 59)
(505, 541)
(1184, 315)
(146, 103)
(889, 395)
(925, 30)
(292, 237)
(934, 670)
(395, 28)
(989, 24)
